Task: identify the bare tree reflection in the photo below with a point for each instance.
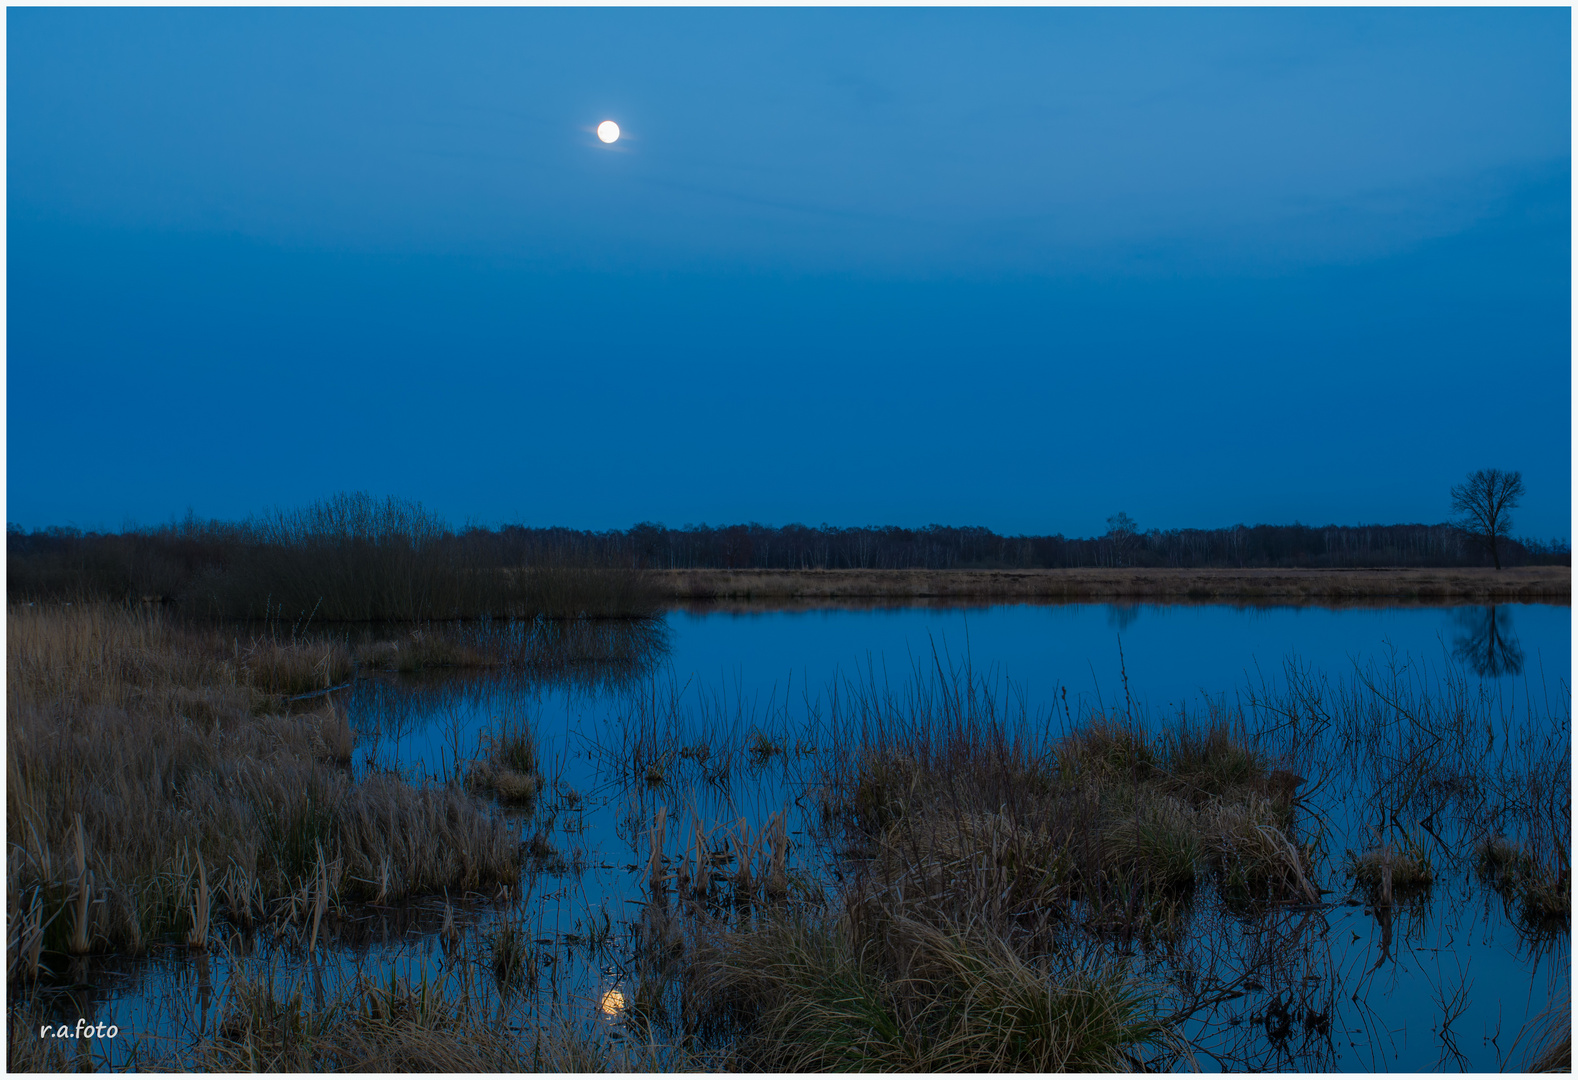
(1487, 642)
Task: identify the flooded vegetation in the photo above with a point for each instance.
(561, 845)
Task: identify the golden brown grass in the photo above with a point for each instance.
(26, 1052)
(875, 990)
(1393, 871)
(508, 768)
(197, 793)
(293, 668)
(949, 811)
(1392, 585)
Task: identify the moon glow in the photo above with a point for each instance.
(608, 131)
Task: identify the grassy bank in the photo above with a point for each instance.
(158, 780)
(1550, 584)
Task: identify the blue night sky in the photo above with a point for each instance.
(1020, 268)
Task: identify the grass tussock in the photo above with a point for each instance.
(334, 732)
(293, 668)
(1393, 872)
(1542, 894)
(1551, 1046)
(508, 768)
(151, 787)
(1556, 1055)
(875, 990)
(1075, 830)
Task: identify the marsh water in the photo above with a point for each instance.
(718, 718)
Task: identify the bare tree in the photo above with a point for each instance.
(1483, 503)
(1121, 531)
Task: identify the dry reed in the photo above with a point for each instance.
(1309, 586)
(129, 747)
(876, 990)
(508, 768)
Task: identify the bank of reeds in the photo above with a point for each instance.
(153, 784)
(386, 1028)
(419, 649)
(589, 652)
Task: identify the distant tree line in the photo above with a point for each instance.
(350, 558)
(353, 558)
(941, 547)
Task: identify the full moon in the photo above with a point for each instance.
(608, 131)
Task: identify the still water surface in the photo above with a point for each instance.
(1171, 653)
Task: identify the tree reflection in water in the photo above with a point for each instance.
(1487, 642)
(1122, 616)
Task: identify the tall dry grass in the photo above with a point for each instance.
(1162, 584)
(878, 991)
(954, 800)
(1551, 1049)
(198, 794)
(509, 767)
